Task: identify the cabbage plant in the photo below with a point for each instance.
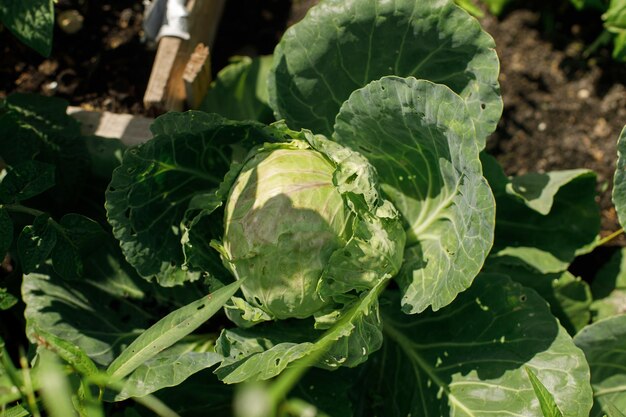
(361, 255)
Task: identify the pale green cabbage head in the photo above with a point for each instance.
(290, 226)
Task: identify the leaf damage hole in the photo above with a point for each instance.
(277, 361)
(483, 106)
(351, 178)
(200, 307)
(522, 298)
(114, 305)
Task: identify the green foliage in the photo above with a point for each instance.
(609, 288)
(6, 225)
(546, 399)
(26, 180)
(45, 160)
(471, 7)
(148, 200)
(35, 128)
(132, 309)
(497, 6)
(7, 300)
(55, 387)
(31, 21)
(470, 357)
(240, 90)
(65, 242)
(425, 150)
(16, 411)
(569, 297)
(615, 22)
(613, 411)
(168, 368)
(348, 45)
(61, 308)
(614, 18)
(263, 352)
(603, 343)
(169, 330)
(528, 206)
(568, 212)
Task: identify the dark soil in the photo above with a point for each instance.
(102, 66)
(562, 110)
(106, 65)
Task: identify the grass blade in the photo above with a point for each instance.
(546, 400)
(169, 330)
(55, 387)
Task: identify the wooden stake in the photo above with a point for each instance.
(197, 76)
(166, 88)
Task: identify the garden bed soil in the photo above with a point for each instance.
(561, 110)
(103, 66)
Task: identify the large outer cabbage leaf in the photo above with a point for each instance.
(559, 204)
(342, 45)
(46, 135)
(469, 359)
(157, 183)
(66, 310)
(104, 312)
(569, 296)
(604, 344)
(421, 140)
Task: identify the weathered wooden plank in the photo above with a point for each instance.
(131, 130)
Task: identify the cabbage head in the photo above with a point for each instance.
(305, 226)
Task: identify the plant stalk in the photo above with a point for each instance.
(18, 208)
(610, 237)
